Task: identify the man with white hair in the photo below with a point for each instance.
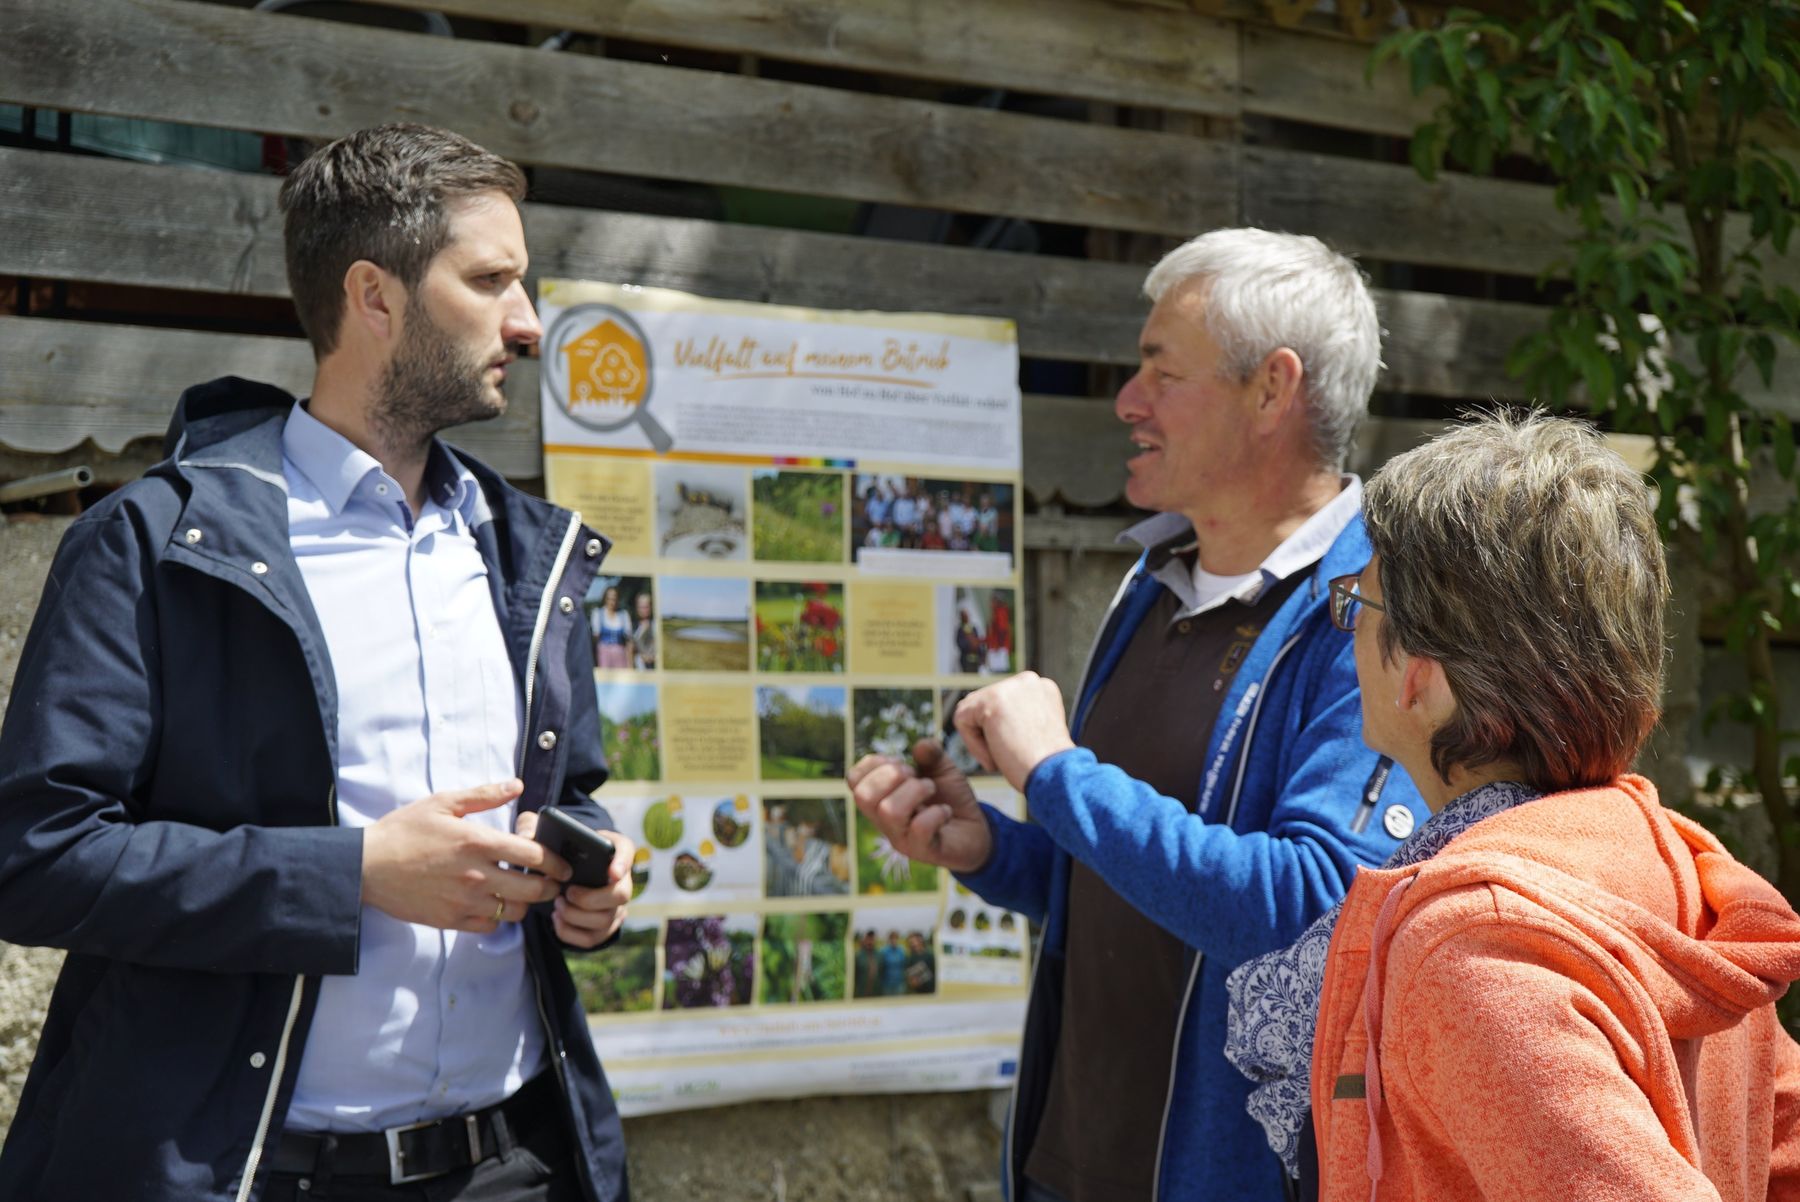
(1212, 794)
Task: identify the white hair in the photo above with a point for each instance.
(1265, 291)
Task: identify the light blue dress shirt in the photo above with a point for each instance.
(434, 1022)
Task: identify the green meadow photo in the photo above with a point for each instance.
(797, 517)
(800, 732)
(619, 979)
(705, 624)
(628, 732)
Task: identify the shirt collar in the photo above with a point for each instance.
(333, 463)
(337, 467)
(1165, 535)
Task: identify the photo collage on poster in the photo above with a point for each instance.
(815, 553)
(757, 630)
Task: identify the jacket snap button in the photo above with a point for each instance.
(257, 1059)
(193, 536)
(260, 568)
(593, 547)
(566, 605)
(547, 740)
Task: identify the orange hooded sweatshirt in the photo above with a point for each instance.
(1573, 1001)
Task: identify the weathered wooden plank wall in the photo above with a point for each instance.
(95, 221)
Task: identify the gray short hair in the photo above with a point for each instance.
(1521, 553)
(1266, 290)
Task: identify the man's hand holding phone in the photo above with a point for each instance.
(586, 915)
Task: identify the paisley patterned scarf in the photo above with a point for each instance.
(1274, 999)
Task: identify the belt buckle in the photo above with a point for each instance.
(396, 1172)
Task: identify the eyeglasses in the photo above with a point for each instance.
(1347, 603)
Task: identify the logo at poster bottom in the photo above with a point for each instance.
(599, 371)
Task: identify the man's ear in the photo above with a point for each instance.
(1278, 382)
(374, 301)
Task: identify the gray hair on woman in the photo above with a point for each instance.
(1267, 290)
(1521, 553)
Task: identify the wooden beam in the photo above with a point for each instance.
(1385, 211)
(1121, 54)
(68, 217)
(1314, 80)
(70, 382)
(206, 64)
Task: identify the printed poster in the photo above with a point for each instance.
(814, 517)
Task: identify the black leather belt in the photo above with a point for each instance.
(419, 1151)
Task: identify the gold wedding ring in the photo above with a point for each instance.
(499, 907)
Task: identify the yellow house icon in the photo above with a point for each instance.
(606, 366)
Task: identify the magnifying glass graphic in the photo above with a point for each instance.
(597, 367)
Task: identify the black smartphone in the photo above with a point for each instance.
(589, 853)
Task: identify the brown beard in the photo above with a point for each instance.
(429, 384)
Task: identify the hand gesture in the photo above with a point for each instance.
(927, 809)
(588, 917)
(1014, 726)
(422, 863)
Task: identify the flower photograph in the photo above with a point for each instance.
(883, 868)
(628, 730)
(800, 732)
(797, 517)
(709, 961)
(799, 626)
(890, 721)
(803, 958)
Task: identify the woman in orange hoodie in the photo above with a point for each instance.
(1556, 989)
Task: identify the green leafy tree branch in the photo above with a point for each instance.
(1654, 119)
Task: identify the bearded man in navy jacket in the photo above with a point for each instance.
(277, 744)
(1212, 794)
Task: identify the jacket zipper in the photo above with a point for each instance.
(280, 1066)
(531, 663)
(543, 621)
(1087, 669)
(1187, 994)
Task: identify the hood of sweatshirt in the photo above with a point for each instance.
(1706, 938)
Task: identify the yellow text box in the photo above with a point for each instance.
(612, 495)
(890, 629)
(709, 733)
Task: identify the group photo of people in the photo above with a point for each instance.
(913, 513)
(894, 963)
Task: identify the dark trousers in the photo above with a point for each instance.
(539, 1167)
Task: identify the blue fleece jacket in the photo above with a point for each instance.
(1291, 802)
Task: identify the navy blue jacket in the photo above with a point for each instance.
(168, 815)
(1291, 803)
